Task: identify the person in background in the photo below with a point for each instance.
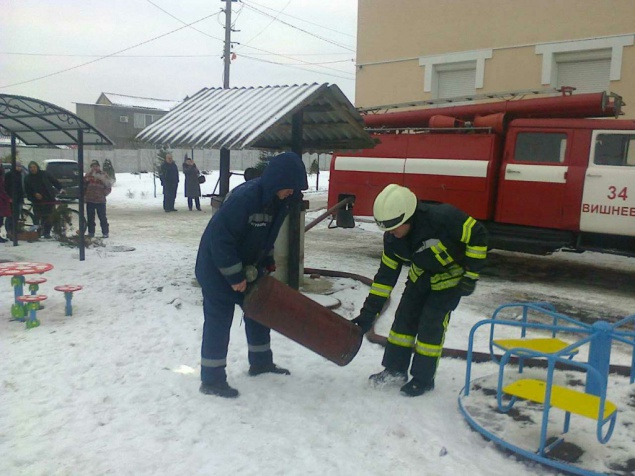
(240, 234)
(18, 194)
(192, 187)
(41, 188)
(110, 171)
(97, 186)
(5, 204)
(446, 249)
(169, 176)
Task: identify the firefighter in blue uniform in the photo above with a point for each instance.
(445, 249)
(241, 234)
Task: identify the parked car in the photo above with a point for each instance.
(67, 173)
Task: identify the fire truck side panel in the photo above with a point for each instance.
(460, 169)
(533, 181)
(365, 173)
(579, 152)
(608, 202)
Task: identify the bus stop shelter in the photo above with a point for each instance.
(40, 123)
(312, 118)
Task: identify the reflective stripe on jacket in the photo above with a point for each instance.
(443, 244)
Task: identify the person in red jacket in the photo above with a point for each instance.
(445, 249)
(97, 186)
(5, 203)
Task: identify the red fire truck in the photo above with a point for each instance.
(542, 174)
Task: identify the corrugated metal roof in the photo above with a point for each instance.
(37, 122)
(261, 118)
(135, 101)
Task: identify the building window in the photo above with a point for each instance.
(454, 80)
(454, 74)
(615, 149)
(588, 72)
(144, 120)
(123, 118)
(588, 65)
(540, 147)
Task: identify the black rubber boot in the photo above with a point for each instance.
(220, 389)
(267, 369)
(417, 387)
(388, 377)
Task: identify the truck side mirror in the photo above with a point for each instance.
(344, 217)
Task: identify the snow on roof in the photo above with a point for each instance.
(133, 101)
(261, 118)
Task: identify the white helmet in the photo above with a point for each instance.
(394, 206)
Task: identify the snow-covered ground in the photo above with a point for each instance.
(114, 388)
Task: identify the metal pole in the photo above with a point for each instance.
(82, 222)
(295, 209)
(224, 153)
(17, 182)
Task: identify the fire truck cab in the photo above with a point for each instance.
(539, 184)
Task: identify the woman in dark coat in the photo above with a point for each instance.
(41, 188)
(192, 187)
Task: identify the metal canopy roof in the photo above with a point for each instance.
(261, 118)
(37, 122)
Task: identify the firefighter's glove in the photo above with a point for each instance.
(364, 321)
(466, 286)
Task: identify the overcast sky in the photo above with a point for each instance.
(70, 51)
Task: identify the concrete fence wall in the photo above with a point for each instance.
(140, 160)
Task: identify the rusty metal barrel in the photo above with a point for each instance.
(302, 320)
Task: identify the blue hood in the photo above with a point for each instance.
(284, 171)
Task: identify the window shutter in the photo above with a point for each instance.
(454, 83)
(587, 76)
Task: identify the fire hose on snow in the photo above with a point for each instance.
(375, 338)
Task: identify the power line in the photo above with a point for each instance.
(185, 23)
(297, 28)
(52, 55)
(288, 57)
(106, 56)
(252, 47)
(350, 78)
(56, 55)
(268, 25)
(301, 19)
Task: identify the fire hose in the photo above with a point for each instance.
(375, 338)
(478, 357)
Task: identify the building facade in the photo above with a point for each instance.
(422, 50)
(122, 117)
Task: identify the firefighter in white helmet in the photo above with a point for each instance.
(445, 249)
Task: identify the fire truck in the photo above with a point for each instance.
(543, 174)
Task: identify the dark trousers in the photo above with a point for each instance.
(420, 323)
(43, 216)
(100, 208)
(169, 196)
(196, 200)
(219, 314)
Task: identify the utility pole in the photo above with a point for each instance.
(224, 153)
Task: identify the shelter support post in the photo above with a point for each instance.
(17, 178)
(295, 209)
(224, 172)
(82, 224)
